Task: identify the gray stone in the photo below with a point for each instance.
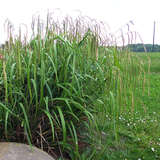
(18, 151)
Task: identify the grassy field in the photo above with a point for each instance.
(134, 135)
(67, 93)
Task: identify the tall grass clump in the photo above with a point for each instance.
(121, 102)
(68, 88)
(49, 85)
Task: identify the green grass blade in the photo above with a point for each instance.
(36, 94)
(26, 120)
(51, 122)
(53, 65)
(6, 124)
(63, 124)
(49, 116)
(8, 110)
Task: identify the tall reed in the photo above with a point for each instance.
(50, 83)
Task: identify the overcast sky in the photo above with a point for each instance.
(114, 12)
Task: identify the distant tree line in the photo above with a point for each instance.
(143, 47)
(139, 47)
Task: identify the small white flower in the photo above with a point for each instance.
(120, 118)
(139, 159)
(152, 149)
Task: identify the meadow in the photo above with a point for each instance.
(133, 134)
(72, 94)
